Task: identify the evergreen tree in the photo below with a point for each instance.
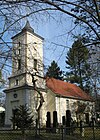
(22, 118)
(78, 65)
(54, 71)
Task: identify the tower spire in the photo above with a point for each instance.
(28, 27)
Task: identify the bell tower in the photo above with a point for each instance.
(27, 60)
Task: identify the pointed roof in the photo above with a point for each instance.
(28, 28)
(65, 89)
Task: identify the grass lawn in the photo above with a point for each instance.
(89, 134)
(9, 135)
(30, 135)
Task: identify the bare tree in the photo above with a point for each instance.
(41, 99)
(85, 13)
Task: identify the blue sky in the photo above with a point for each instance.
(54, 30)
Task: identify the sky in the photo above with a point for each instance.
(57, 32)
(58, 38)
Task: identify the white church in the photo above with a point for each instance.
(27, 60)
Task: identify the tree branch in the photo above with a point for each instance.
(73, 15)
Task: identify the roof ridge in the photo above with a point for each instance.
(66, 89)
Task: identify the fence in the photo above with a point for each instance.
(61, 133)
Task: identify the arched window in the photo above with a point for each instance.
(35, 64)
(19, 64)
(16, 82)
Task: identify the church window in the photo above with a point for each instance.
(18, 51)
(67, 104)
(19, 64)
(19, 44)
(19, 48)
(16, 82)
(35, 64)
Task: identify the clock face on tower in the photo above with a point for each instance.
(15, 95)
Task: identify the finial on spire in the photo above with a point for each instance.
(28, 27)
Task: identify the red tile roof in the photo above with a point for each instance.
(66, 89)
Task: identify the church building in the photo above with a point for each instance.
(27, 61)
(27, 68)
